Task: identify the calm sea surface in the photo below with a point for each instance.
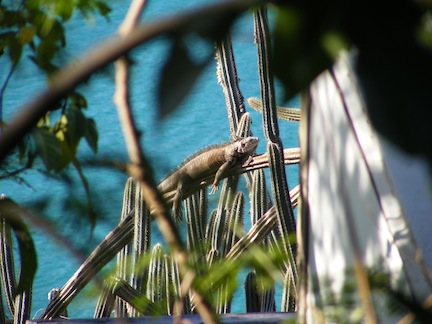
(199, 121)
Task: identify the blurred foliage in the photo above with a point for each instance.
(393, 64)
(35, 30)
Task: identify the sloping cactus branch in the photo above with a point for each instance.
(103, 254)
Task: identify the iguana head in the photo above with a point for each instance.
(246, 145)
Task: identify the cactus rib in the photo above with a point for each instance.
(104, 252)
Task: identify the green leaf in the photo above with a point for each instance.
(26, 34)
(45, 52)
(103, 8)
(48, 148)
(91, 134)
(78, 100)
(12, 213)
(14, 50)
(177, 77)
(64, 9)
(76, 125)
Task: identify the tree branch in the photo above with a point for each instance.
(140, 169)
(79, 71)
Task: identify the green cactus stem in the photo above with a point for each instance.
(141, 244)
(124, 257)
(228, 79)
(284, 113)
(280, 192)
(182, 302)
(104, 253)
(105, 303)
(156, 290)
(234, 227)
(7, 265)
(22, 307)
(251, 293)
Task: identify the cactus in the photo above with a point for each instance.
(105, 304)
(141, 243)
(288, 303)
(258, 195)
(215, 229)
(182, 303)
(195, 223)
(135, 299)
(234, 223)
(251, 293)
(233, 228)
(156, 280)
(22, 307)
(280, 192)
(124, 256)
(228, 79)
(118, 288)
(104, 253)
(7, 263)
(284, 113)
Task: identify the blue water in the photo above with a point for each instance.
(199, 121)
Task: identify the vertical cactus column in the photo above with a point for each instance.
(7, 264)
(156, 284)
(141, 244)
(105, 304)
(195, 220)
(233, 228)
(228, 79)
(259, 205)
(123, 269)
(286, 222)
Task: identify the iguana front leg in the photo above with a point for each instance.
(220, 174)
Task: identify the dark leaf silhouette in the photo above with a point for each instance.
(177, 78)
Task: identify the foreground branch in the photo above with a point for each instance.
(79, 71)
(141, 171)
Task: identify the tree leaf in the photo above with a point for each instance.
(78, 100)
(26, 34)
(48, 148)
(76, 125)
(15, 50)
(11, 212)
(177, 78)
(103, 8)
(91, 134)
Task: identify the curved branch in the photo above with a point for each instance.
(79, 71)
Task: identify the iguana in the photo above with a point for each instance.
(215, 160)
